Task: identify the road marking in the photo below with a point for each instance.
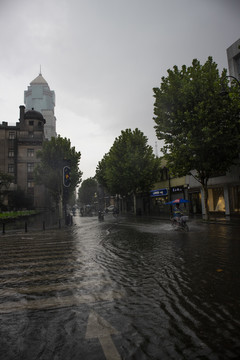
(97, 327)
(33, 267)
(11, 291)
(39, 257)
(58, 302)
(43, 273)
(42, 277)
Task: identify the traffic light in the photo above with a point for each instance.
(66, 176)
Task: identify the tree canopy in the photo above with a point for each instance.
(200, 128)
(56, 154)
(87, 191)
(129, 166)
(5, 180)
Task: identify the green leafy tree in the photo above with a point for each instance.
(101, 171)
(18, 199)
(200, 128)
(87, 191)
(130, 166)
(5, 182)
(55, 154)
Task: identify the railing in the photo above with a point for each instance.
(31, 137)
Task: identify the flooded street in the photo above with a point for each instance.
(126, 289)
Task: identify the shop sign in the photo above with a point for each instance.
(176, 189)
(158, 192)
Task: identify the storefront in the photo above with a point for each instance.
(158, 199)
(177, 192)
(216, 200)
(221, 199)
(234, 198)
(195, 202)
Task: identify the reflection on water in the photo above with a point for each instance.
(169, 295)
(182, 290)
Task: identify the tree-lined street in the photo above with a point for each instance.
(132, 289)
(98, 260)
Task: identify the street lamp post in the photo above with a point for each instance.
(224, 92)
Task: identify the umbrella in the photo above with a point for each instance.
(177, 201)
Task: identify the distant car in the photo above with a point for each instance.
(110, 208)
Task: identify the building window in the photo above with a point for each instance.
(39, 124)
(11, 153)
(30, 152)
(11, 135)
(30, 184)
(31, 122)
(11, 168)
(30, 167)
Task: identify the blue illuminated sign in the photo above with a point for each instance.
(158, 192)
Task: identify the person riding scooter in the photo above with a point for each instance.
(177, 213)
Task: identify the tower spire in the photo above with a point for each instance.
(40, 73)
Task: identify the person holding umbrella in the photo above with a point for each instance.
(177, 213)
(178, 216)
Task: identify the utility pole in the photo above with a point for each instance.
(66, 184)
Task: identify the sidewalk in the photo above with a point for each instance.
(216, 219)
(226, 220)
(213, 218)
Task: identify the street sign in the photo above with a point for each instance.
(177, 189)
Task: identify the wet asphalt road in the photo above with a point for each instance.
(126, 289)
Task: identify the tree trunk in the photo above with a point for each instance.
(205, 193)
(134, 204)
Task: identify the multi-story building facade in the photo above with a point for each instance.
(18, 148)
(39, 97)
(233, 56)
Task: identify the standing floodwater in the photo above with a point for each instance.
(121, 289)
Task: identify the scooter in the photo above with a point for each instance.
(180, 223)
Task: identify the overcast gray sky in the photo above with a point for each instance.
(103, 57)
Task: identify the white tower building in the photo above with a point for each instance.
(39, 97)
